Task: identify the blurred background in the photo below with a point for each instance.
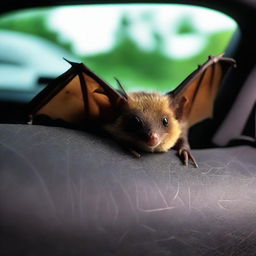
(145, 46)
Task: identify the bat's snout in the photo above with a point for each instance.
(152, 139)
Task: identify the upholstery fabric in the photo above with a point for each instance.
(68, 192)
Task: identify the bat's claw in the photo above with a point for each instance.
(186, 155)
(30, 121)
(134, 152)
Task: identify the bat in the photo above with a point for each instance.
(142, 121)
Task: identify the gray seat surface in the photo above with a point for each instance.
(67, 192)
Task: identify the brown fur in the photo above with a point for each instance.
(151, 107)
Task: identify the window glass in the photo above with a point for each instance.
(145, 46)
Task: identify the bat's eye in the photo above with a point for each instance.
(165, 122)
(136, 121)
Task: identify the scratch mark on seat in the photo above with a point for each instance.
(229, 200)
(122, 187)
(123, 236)
(148, 228)
(161, 194)
(189, 198)
(252, 233)
(69, 181)
(37, 174)
(150, 210)
(157, 209)
(221, 206)
(81, 201)
(116, 209)
(166, 239)
(177, 192)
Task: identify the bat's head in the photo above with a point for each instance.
(147, 122)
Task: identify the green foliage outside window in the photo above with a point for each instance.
(134, 66)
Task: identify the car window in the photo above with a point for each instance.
(145, 46)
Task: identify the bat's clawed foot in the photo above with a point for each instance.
(133, 152)
(185, 155)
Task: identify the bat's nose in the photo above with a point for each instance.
(153, 139)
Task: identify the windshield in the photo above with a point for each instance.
(145, 46)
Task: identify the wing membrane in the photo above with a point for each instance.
(77, 96)
(200, 89)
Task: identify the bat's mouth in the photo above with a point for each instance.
(148, 148)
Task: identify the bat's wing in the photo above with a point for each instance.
(76, 96)
(198, 91)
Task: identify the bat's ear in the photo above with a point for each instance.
(179, 105)
(122, 90)
(78, 95)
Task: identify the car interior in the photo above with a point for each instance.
(66, 191)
